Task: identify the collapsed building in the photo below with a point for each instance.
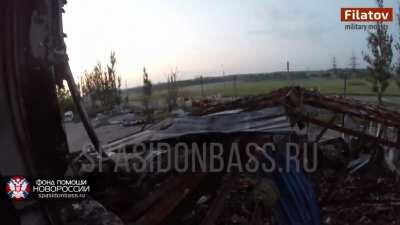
(353, 139)
(367, 140)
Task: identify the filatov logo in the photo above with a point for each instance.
(366, 14)
(366, 19)
(18, 188)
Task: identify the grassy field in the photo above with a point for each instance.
(328, 86)
(356, 87)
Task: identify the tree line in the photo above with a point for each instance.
(100, 90)
(101, 87)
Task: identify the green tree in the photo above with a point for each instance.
(147, 91)
(65, 99)
(172, 88)
(102, 86)
(397, 46)
(126, 98)
(380, 58)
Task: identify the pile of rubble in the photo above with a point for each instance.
(355, 182)
(356, 190)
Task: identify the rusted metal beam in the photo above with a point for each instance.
(138, 209)
(297, 97)
(63, 71)
(217, 205)
(80, 107)
(331, 121)
(294, 99)
(349, 131)
(160, 211)
(361, 113)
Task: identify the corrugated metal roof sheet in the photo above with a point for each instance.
(297, 204)
(271, 120)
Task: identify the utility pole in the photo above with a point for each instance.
(126, 87)
(223, 75)
(288, 67)
(353, 63)
(126, 99)
(353, 66)
(334, 65)
(235, 85)
(288, 72)
(202, 85)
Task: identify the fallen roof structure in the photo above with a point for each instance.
(282, 115)
(298, 102)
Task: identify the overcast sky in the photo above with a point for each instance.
(206, 36)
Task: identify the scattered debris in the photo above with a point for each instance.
(352, 185)
(347, 192)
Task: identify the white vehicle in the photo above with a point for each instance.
(68, 116)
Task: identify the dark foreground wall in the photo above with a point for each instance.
(32, 139)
